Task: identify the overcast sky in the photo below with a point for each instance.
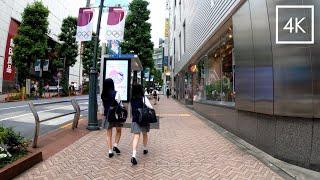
(157, 19)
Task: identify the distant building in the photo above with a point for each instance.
(158, 58)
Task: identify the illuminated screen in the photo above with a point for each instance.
(118, 71)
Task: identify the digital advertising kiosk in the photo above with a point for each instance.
(123, 70)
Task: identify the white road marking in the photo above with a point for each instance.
(31, 113)
(15, 107)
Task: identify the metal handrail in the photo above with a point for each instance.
(75, 122)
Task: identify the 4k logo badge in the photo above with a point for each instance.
(295, 24)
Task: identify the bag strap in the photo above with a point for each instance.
(144, 102)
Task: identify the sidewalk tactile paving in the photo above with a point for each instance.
(183, 148)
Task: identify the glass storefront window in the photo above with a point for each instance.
(188, 86)
(200, 79)
(215, 72)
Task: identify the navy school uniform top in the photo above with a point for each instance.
(108, 101)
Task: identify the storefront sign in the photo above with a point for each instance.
(165, 69)
(119, 71)
(147, 73)
(37, 65)
(166, 28)
(46, 65)
(9, 69)
(165, 60)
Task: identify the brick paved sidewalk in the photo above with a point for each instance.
(184, 148)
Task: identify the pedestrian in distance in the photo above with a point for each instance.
(168, 93)
(138, 100)
(110, 99)
(155, 96)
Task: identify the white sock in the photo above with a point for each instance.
(115, 145)
(134, 153)
(110, 151)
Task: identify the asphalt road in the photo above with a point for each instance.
(18, 115)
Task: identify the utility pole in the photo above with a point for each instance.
(88, 3)
(93, 106)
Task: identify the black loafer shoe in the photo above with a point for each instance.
(134, 161)
(111, 155)
(145, 151)
(116, 150)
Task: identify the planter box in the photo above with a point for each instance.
(19, 166)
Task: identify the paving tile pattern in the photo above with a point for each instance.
(183, 148)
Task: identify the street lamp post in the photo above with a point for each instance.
(93, 106)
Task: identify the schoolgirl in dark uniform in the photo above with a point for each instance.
(110, 96)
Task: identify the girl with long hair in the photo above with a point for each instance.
(109, 97)
(137, 101)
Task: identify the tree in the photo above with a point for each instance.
(87, 56)
(157, 76)
(31, 40)
(137, 34)
(68, 49)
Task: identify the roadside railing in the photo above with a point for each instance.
(77, 112)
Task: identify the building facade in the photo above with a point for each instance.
(229, 63)
(158, 58)
(10, 18)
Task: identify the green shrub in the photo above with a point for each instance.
(12, 146)
(85, 88)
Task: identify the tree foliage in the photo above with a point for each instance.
(137, 34)
(68, 49)
(87, 56)
(31, 40)
(157, 76)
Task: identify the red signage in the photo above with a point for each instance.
(8, 68)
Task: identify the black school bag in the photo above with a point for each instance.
(146, 115)
(117, 113)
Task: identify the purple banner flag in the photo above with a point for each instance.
(85, 24)
(115, 24)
